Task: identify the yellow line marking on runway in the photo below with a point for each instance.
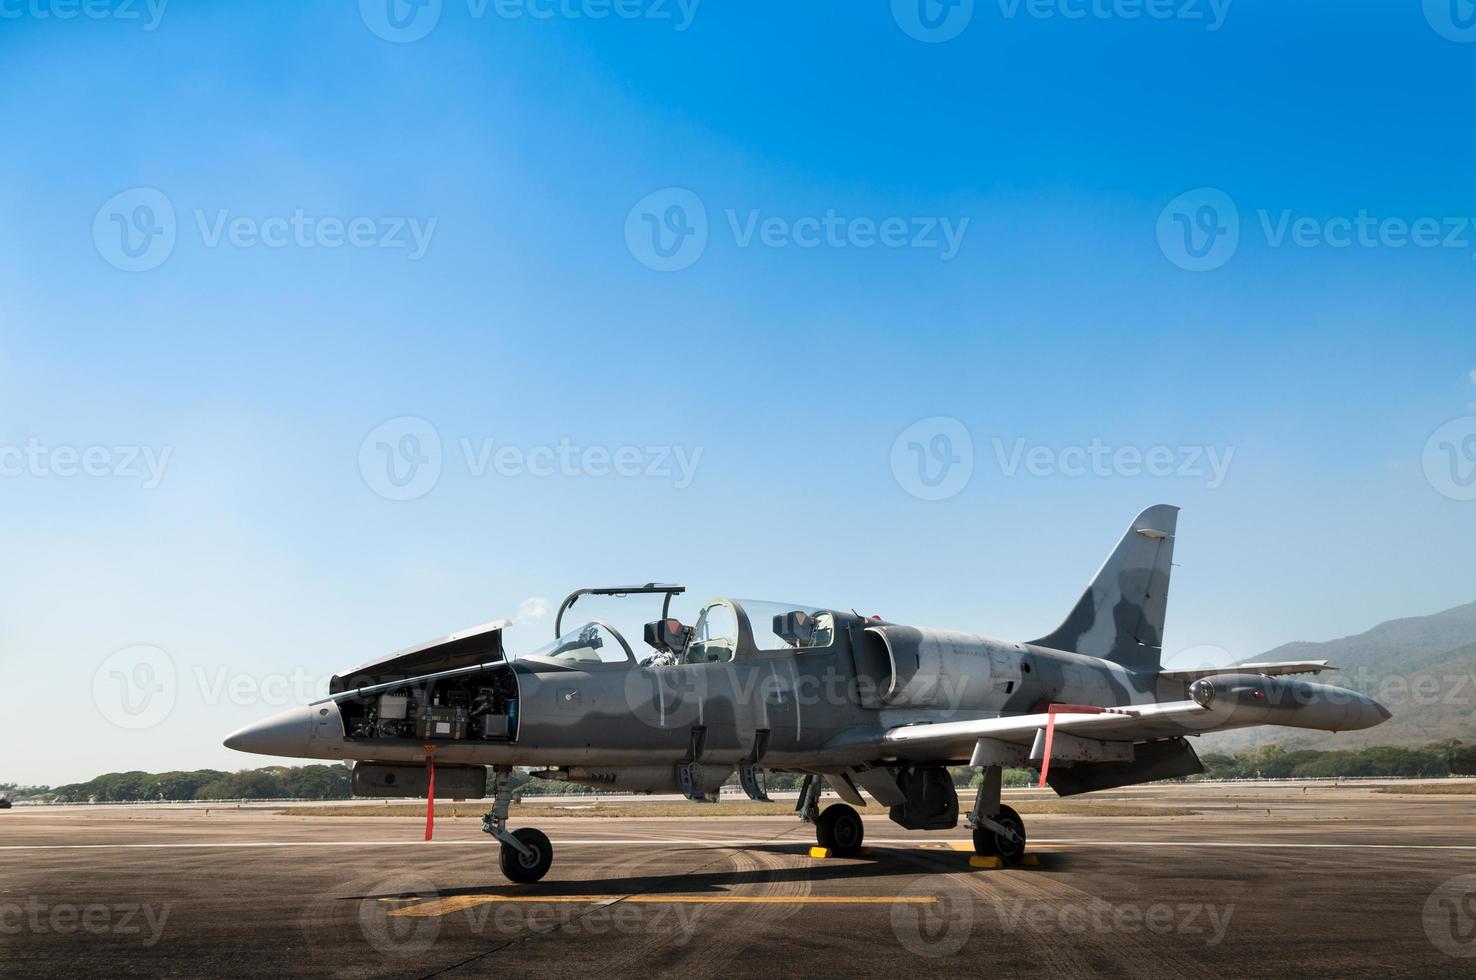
(726, 842)
(968, 846)
(445, 906)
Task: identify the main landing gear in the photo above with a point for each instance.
(526, 853)
(998, 830)
(838, 827)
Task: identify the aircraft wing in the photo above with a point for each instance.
(1134, 723)
(1270, 668)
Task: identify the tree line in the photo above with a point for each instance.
(1274, 762)
(271, 783)
(320, 782)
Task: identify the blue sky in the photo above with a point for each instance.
(272, 369)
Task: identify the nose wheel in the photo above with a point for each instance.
(526, 853)
(530, 864)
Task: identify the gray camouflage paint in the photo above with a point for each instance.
(829, 709)
(1120, 617)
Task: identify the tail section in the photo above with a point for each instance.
(1120, 616)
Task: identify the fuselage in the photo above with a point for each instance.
(792, 709)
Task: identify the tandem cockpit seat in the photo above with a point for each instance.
(800, 628)
(712, 640)
(725, 630)
(669, 638)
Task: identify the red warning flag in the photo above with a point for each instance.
(1070, 709)
(430, 796)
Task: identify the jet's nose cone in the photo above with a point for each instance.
(1367, 713)
(282, 734)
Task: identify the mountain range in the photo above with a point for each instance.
(1423, 669)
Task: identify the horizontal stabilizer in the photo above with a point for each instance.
(1269, 668)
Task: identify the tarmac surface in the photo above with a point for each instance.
(1332, 882)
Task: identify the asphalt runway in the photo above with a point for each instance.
(1332, 883)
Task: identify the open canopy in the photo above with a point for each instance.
(478, 645)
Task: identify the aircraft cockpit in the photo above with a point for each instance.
(724, 630)
(592, 643)
(729, 628)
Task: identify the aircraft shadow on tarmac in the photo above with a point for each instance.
(877, 864)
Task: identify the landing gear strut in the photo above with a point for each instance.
(838, 827)
(808, 804)
(526, 853)
(998, 830)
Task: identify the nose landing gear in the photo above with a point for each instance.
(531, 863)
(526, 853)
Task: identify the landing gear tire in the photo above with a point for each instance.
(990, 844)
(839, 828)
(522, 868)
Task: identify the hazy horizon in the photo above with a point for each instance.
(323, 335)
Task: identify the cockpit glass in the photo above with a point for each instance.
(715, 636)
(592, 643)
(726, 628)
(786, 626)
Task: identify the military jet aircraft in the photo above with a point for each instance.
(854, 702)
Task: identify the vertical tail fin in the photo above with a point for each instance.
(1120, 616)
